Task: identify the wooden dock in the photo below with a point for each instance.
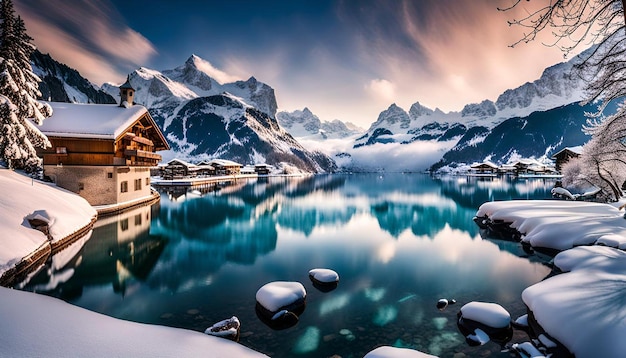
(202, 181)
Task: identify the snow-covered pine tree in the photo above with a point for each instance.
(19, 91)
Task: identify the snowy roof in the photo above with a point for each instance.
(105, 121)
(484, 164)
(180, 161)
(224, 163)
(578, 150)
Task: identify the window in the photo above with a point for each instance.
(61, 150)
(137, 184)
(147, 181)
(138, 220)
(124, 224)
(124, 187)
(110, 175)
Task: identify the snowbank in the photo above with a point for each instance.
(66, 213)
(584, 309)
(557, 224)
(41, 326)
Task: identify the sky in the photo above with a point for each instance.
(342, 59)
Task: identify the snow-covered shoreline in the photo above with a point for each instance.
(41, 326)
(581, 307)
(65, 213)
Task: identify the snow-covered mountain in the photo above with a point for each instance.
(538, 135)
(205, 119)
(556, 87)
(303, 123)
(60, 83)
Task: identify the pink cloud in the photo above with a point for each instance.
(88, 35)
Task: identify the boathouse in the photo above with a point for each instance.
(102, 152)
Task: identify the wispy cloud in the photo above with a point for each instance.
(88, 34)
(381, 89)
(444, 53)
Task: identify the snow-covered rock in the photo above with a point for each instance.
(443, 303)
(490, 314)
(394, 352)
(281, 295)
(228, 328)
(324, 280)
(481, 322)
(324, 276)
(280, 303)
(527, 350)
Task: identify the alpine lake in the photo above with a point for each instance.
(399, 243)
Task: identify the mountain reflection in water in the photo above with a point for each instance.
(398, 241)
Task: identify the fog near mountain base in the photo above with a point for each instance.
(396, 157)
(390, 157)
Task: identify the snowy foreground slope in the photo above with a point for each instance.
(65, 212)
(41, 326)
(583, 308)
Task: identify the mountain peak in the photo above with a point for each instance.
(418, 110)
(197, 64)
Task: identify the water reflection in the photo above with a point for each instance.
(399, 243)
(120, 248)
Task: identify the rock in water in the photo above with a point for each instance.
(476, 318)
(278, 304)
(324, 280)
(444, 302)
(228, 328)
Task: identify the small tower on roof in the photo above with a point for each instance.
(127, 94)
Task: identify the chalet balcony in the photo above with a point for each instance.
(142, 154)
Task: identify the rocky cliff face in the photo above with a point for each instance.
(204, 119)
(303, 123)
(60, 83)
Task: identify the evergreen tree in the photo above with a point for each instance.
(18, 95)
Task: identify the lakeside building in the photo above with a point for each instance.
(564, 155)
(102, 152)
(180, 169)
(224, 166)
(519, 168)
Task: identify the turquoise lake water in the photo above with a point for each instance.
(399, 242)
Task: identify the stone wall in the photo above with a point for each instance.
(102, 185)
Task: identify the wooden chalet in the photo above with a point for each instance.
(178, 169)
(102, 152)
(225, 167)
(564, 155)
(484, 168)
(262, 169)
